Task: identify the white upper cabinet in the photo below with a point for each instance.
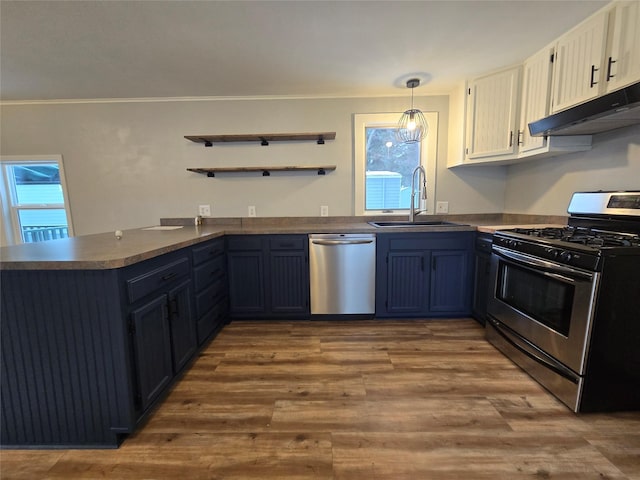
(536, 93)
(578, 63)
(498, 111)
(492, 114)
(622, 63)
(600, 55)
(536, 96)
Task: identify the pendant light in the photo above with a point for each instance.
(412, 126)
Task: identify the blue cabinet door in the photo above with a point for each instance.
(152, 347)
(246, 283)
(183, 326)
(449, 292)
(289, 283)
(407, 283)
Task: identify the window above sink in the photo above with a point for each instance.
(383, 167)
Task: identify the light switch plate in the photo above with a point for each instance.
(442, 207)
(252, 210)
(324, 210)
(204, 210)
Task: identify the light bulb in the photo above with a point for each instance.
(411, 125)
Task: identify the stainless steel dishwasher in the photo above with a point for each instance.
(343, 273)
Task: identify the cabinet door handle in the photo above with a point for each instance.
(173, 307)
(511, 138)
(422, 264)
(169, 276)
(329, 243)
(609, 64)
(520, 137)
(593, 72)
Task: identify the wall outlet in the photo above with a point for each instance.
(324, 210)
(442, 207)
(252, 210)
(204, 210)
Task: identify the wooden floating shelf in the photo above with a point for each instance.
(264, 139)
(266, 171)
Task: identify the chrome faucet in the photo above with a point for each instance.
(412, 210)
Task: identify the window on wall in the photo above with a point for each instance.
(384, 166)
(34, 199)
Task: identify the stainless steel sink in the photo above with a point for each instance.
(416, 224)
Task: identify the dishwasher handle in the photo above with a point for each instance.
(340, 242)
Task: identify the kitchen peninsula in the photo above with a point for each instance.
(95, 329)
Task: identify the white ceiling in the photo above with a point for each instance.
(182, 48)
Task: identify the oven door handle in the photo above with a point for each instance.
(533, 352)
(549, 268)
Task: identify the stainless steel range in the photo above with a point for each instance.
(566, 302)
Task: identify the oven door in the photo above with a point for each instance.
(549, 304)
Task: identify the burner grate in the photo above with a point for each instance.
(584, 236)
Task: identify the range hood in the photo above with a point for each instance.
(608, 112)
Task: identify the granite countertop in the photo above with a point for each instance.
(104, 251)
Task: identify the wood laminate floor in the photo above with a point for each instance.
(360, 400)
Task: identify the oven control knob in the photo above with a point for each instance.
(552, 252)
(565, 256)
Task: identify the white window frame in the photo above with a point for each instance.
(10, 221)
(428, 158)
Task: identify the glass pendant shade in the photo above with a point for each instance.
(412, 126)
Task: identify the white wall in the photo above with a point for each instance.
(126, 162)
(544, 187)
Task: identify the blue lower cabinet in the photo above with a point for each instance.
(268, 276)
(152, 280)
(424, 274)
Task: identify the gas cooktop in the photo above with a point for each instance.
(601, 224)
(587, 236)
